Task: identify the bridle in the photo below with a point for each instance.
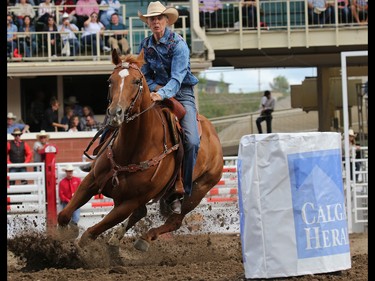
(128, 115)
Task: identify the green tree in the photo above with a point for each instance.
(280, 84)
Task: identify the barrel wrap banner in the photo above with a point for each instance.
(292, 204)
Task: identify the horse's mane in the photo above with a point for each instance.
(138, 60)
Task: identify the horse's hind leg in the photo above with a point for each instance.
(83, 194)
(174, 221)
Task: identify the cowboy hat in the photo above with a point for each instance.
(156, 8)
(68, 167)
(65, 15)
(16, 132)
(42, 133)
(71, 100)
(11, 116)
(351, 133)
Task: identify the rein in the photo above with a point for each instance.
(94, 139)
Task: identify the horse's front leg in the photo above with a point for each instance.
(83, 194)
(120, 230)
(118, 214)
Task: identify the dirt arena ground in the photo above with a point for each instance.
(204, 257)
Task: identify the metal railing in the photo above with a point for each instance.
(59, 10)
(288, 15)
(272, 14)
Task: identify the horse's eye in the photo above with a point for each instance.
(138, 81)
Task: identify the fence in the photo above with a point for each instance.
(218, 211)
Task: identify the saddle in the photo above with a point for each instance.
(177, 109)
(174, 112)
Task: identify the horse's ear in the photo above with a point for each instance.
(141, 57)
(115, 57)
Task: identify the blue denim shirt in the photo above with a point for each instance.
(167, 64)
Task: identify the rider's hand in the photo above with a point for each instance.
(155, 96)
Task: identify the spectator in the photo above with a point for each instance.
(118, 38)
(46, 9)
(87, 110)
(343, 9)
(37, 108)
(249, 13)
(23, 9)
(67, 187)
(69, 8)
(320, 12)
(209, 13)
(111, 7)
(68, 35)
(18, 151)
(50, 121)
(28, 41)
(352, 145)
(73, 103)
(74, 124)
(42, 139)
(92, 124)
(51, 27)
(11, 38)
(68, 114)
(89, 36)
(267, 107)
(359, 10)
(11, 124)
(84, 9)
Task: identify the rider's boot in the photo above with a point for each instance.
(178, 195)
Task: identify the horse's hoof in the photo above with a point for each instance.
(141, 245)
(85, 240)
(114, 253)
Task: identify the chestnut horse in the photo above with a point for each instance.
(134, 167)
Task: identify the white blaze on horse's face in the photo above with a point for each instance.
(123, 73)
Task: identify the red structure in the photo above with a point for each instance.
(50, 179)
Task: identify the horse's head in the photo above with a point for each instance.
(126, 85)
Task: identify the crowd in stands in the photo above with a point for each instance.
(93, 16)
(76, 117)
(320, 12)
(75, 28)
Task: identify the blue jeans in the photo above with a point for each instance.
(192, 141)
(268, 119)
(74, 46)
(76, 213)
(90, 41)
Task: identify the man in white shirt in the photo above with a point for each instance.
(68, 30)
(267, 107)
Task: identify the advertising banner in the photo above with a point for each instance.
(292, 204)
